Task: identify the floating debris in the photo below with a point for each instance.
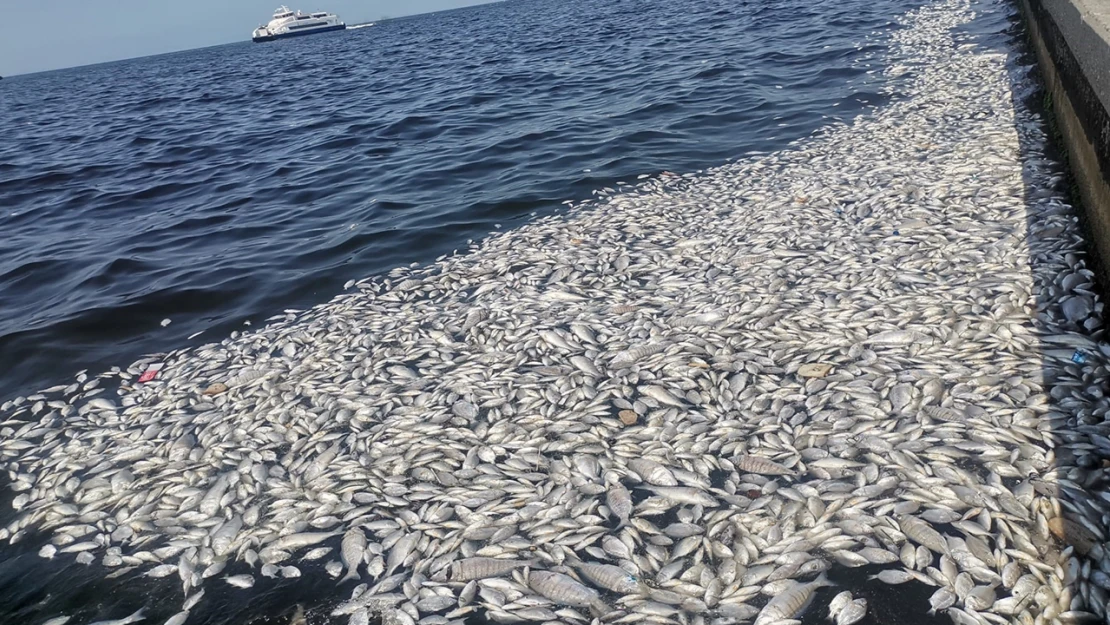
(1073, 533)
(814, 370)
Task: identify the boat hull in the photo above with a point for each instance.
(300, 33)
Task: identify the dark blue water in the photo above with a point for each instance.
(222, 185)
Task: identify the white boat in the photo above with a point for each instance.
(287, 23)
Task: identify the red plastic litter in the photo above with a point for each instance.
(148, 375)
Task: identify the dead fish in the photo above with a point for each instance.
(662, 395)
(609, 577)
(893, 576)
(923, 534)
(619, 501)
(981, 598)
(942, 599)
(400, 552)
(565, 590)
(838, 603)
(634, 354)
(351, 550)
(585, 365)
(790, 602)
(134, 618)
(898, 337)
(761, 466)
(943, 414)
(852, 613)
(240, 581)
(652, 472)
(685, 495)
(483, 568)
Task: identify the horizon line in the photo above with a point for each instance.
(229, 43)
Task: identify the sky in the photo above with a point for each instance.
(39, 35)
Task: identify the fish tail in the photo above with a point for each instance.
(137, 616)
(352, 573)
(823, 579)
(599, 608)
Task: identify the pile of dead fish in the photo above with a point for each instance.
(694, 401)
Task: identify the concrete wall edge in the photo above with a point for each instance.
(1081, 116)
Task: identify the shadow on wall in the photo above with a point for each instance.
(1052, 422)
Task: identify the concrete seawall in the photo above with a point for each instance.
(1072, 42)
